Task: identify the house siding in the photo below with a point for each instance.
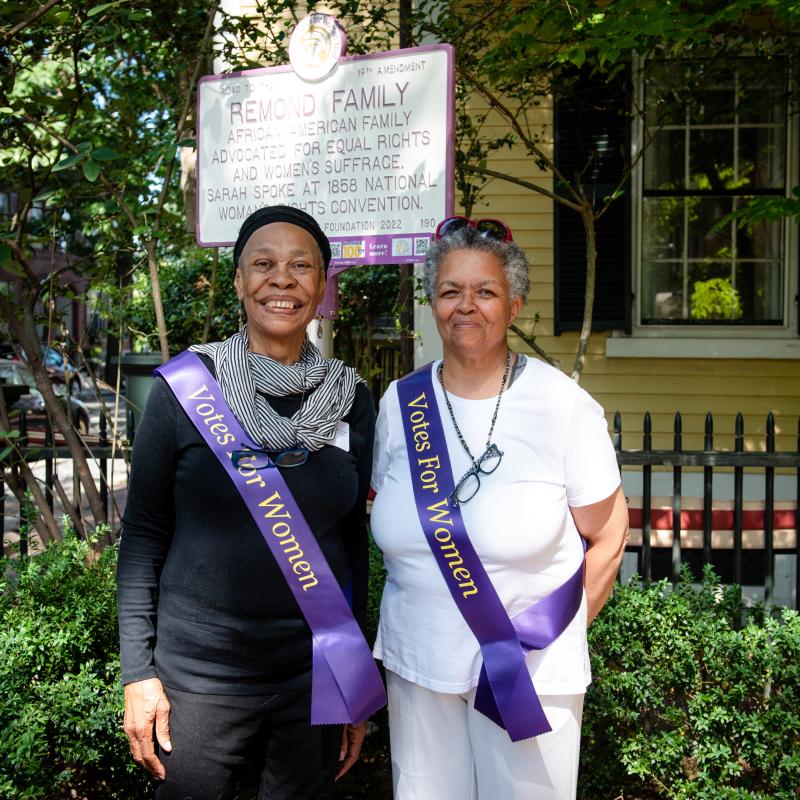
(633, 386)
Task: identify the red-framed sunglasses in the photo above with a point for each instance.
(488, 228)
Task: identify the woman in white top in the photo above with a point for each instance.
(540, 482)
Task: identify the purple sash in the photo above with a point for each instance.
(346, 685)
(505, 691)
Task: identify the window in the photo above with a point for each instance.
(8, 203)
(705, 158)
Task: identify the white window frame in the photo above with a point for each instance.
(708, 341)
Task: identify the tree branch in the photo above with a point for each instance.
(103, 177)
(512, 120)
(43, 9)
(531, 342)
(22, 259)
(588, 218)
(69, 509)
(184, 115)
(212, 294)
(151, 244)
(49, 530)
(24, 332)
(526, 184)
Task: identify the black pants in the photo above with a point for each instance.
(227, 747)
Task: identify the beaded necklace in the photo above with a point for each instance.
(440, 374)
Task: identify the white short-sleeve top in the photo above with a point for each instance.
(556, 453)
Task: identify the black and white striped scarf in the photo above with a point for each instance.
(246, 377)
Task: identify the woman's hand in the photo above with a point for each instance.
(146, 709)
(352, 739)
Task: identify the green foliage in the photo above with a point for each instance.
(60, 696)
(516, 59)
(185, 290)
(377, 577)
(764, 209)
(367, 295)
(685, 704)
(93, 101)
(716, 299)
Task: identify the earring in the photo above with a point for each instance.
(319, 326)
(241, 319)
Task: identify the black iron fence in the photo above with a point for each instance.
(41, 444)
(733, 557)
(738, 554)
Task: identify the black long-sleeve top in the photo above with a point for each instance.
(202, 603)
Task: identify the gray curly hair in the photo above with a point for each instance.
(515, 264)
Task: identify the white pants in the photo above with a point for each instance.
(443, 749)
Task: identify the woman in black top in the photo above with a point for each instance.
(215, 654)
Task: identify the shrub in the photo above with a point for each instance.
(377, 578)
(60, 695)
(185, 293)
(687, 704)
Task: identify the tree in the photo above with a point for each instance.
(510, 56)
(97, 101)
(190, 313)
(89, 156)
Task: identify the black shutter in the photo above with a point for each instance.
(592, 140)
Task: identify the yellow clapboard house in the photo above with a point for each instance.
(656, 357)
(657, 368)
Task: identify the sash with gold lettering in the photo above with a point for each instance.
(505, 691)
(346, 685)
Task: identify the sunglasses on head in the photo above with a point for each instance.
(488, 228)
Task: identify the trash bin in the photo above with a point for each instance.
(137, 369)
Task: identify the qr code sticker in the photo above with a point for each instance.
(421, 246)
(336, 249)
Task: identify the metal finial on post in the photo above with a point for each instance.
(708, 490)
(769, 517)
(738, 499)
(676, 500)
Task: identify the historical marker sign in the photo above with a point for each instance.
(367, 150)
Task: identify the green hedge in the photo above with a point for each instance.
(60, 697)
(685, 703)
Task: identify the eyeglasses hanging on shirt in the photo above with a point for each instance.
(263, 459)
(467, 487)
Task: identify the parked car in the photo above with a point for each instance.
(15, 373)
(61, 370)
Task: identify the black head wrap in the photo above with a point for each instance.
(294, 216)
